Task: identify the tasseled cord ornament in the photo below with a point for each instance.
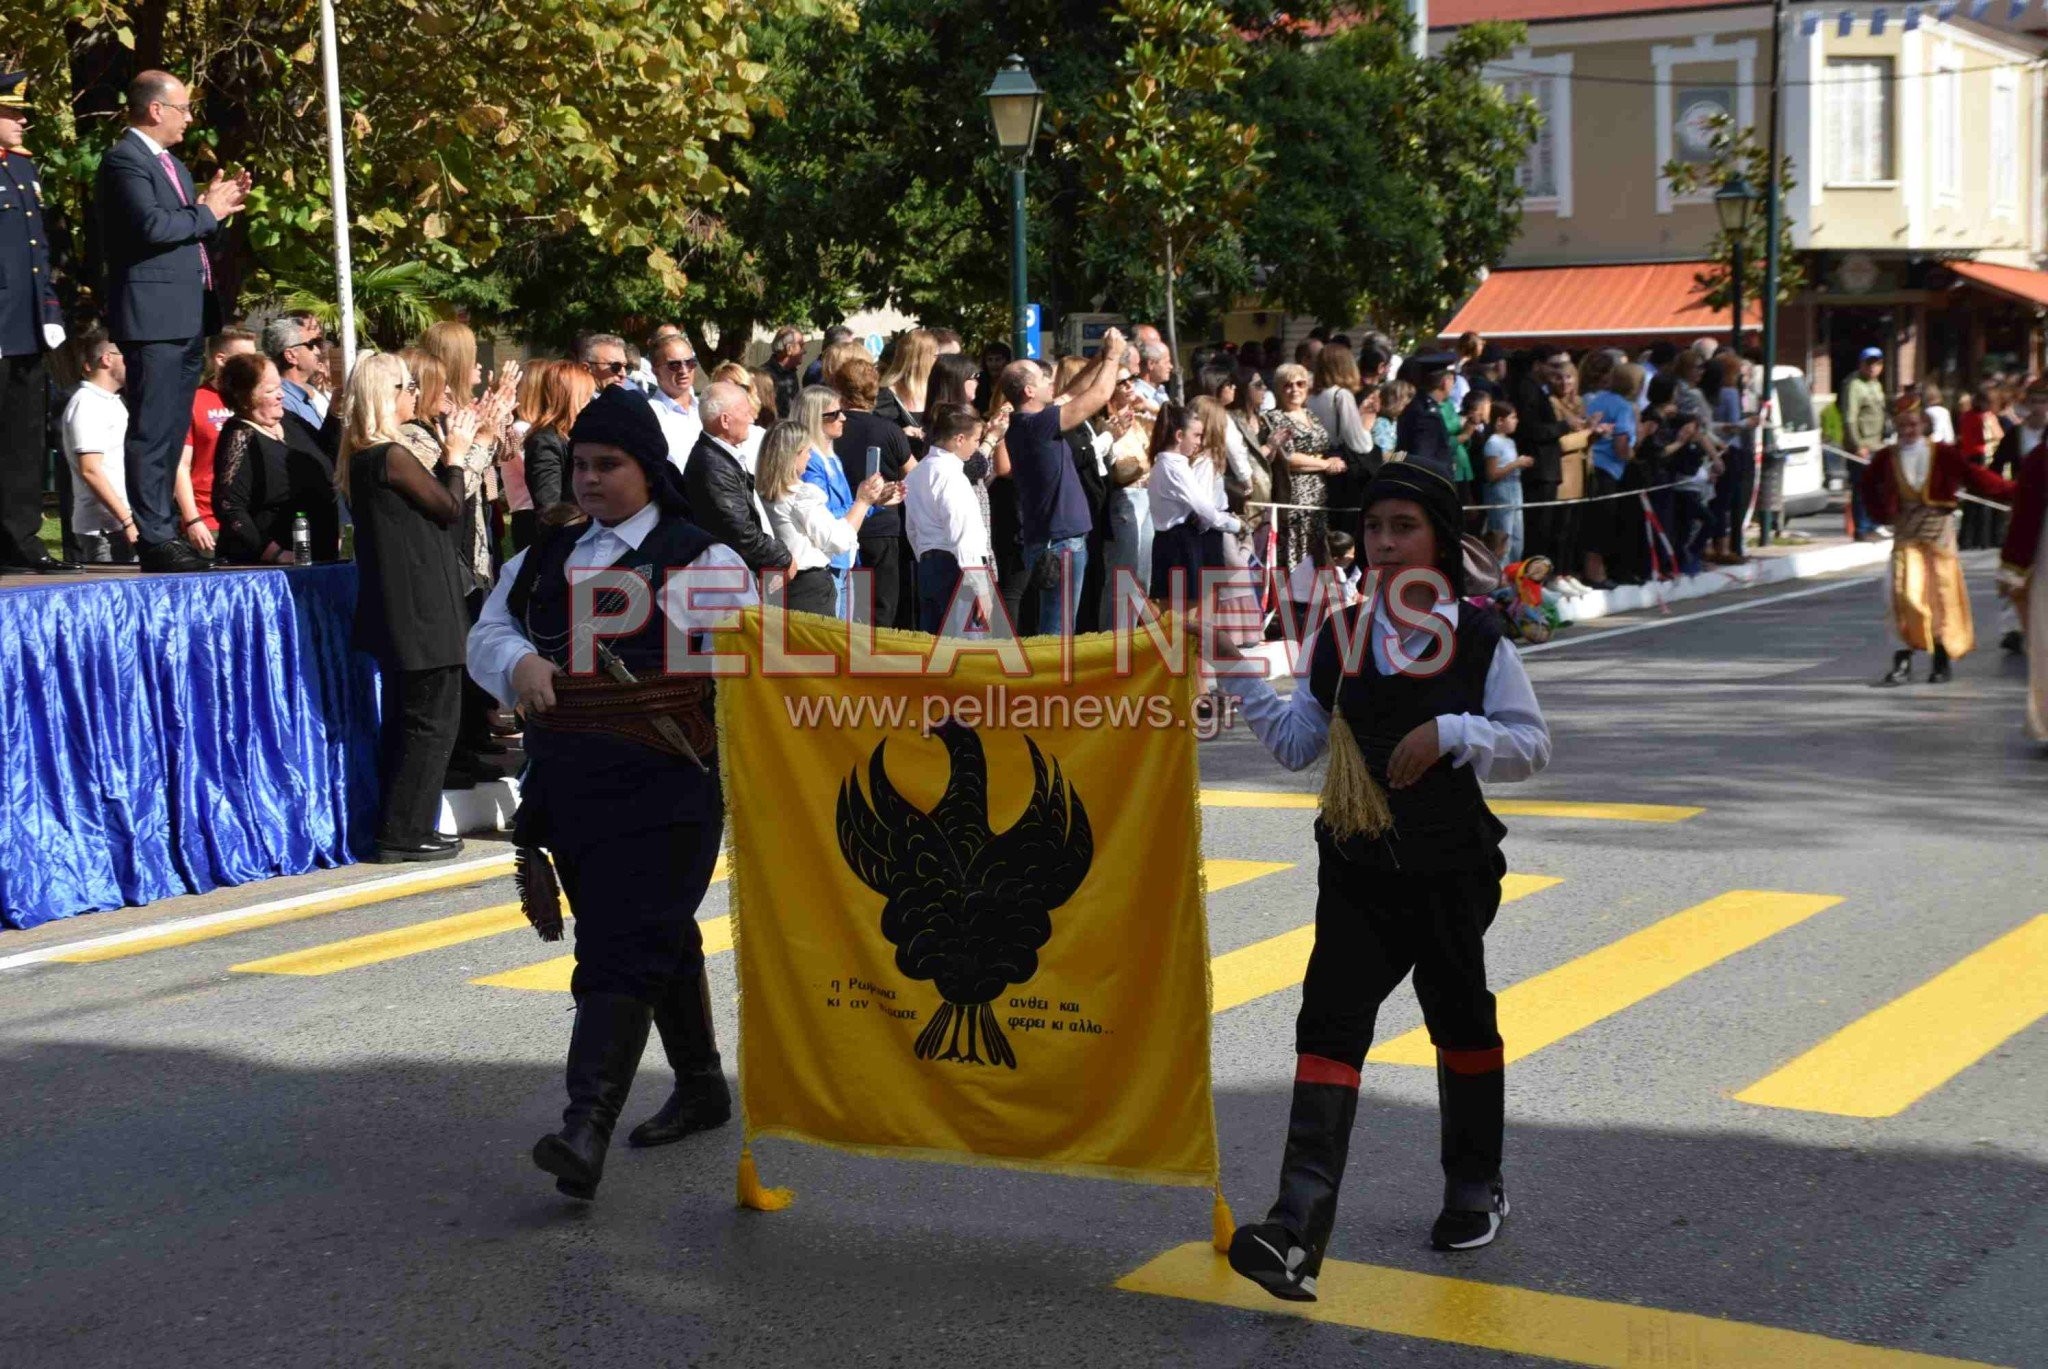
(1352, 802)
(752, 1195)
(540, 896)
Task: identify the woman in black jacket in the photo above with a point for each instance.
(410, 611)
(564, 390)
(267, 472)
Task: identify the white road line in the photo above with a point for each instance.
(1807, 593)
(396, 884)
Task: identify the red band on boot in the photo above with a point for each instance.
(1487, 1061)
(1320, 1069)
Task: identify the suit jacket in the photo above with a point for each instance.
(721, 499)
(27, 299)
(150, 245)
(1538, 430)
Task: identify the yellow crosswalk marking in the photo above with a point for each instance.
(1552, 1005)
(1519, 1321)
(1883, 1063)
(379, 892)
(1524, 808)
(552, 976)
(1278, 962)
(358, 951)
(1228, 874)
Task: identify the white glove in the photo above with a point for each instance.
(53, 335)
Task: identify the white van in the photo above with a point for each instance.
(1795, 430)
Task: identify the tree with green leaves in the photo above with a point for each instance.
(1732, 152)
(1160, 151)
(1393, 179)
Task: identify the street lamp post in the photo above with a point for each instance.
(1733, 203)
(1014, 105)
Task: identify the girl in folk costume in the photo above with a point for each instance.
(1410, 865)
(621, 784)
(1913, 485)
(2024, 581)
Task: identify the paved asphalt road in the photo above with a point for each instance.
(238, 1168)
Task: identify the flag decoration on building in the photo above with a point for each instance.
(1845, 20)
(981, 940)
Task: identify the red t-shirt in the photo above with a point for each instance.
(209, 411)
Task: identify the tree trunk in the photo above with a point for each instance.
(1172, 331)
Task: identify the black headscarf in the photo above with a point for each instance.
(1439, 500)
(620, 416)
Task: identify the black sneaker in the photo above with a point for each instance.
(2013, 642)
(1270, 1256)
(1456, 1230)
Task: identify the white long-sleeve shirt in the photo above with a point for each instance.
(695, 603)
(1180, 491)
(940, 512)
(1507, 741)
(805, 524)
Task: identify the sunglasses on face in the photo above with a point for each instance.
(607, 368)
(833, 415)
(680, 364)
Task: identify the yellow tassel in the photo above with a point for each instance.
(1222, 1226)
(1353, 804)
(752, 1195)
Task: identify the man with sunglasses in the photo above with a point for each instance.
(675, 398)
(604, 356)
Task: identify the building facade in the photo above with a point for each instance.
(1917, 211)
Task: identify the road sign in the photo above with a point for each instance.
(1034, 336)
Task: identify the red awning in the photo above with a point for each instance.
(2016, 281)
(1592, 302)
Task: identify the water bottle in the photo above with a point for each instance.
(302, 540)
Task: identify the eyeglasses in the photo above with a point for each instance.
(832, 415)
(680, 364)
(606, 368)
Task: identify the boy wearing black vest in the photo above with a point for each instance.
(1410, 864)
(621, 785)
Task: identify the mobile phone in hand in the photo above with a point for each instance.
(874, 463)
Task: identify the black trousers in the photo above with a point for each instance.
(421, 710)
(162, 378)
(1372, 930)
(886, 558)
(812, 591)
(635, 897)
(24, 452)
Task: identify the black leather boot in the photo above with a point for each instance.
(1284, 1253)
(604, 1051)
(701, 1100)
(1471, 1103)
(1942, 673)
(1901, 671)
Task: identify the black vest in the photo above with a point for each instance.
(540, 597)
(1441, 822)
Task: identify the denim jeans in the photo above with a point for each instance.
(1055, 612)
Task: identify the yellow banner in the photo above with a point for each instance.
(967, 900)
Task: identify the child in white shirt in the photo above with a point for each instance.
(942, 518)
(1502, 486)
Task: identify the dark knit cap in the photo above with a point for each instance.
(620, 416)
(1439, 500)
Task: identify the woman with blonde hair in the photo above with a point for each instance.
(512, 471)
(799, 517)
(823, 418)
(410, 610)
(1303, 444)
(902, 398)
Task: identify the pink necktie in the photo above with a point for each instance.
(171, 170)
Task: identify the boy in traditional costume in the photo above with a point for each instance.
(621, 784)
(1913, 485)
(2025, 584)
(1410, 867)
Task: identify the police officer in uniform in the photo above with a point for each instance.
(30, 324)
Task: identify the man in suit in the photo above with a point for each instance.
(155, 225)
(30, 323)
(720, 488)
(1420, 431)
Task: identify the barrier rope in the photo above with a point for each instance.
(1477, 508)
